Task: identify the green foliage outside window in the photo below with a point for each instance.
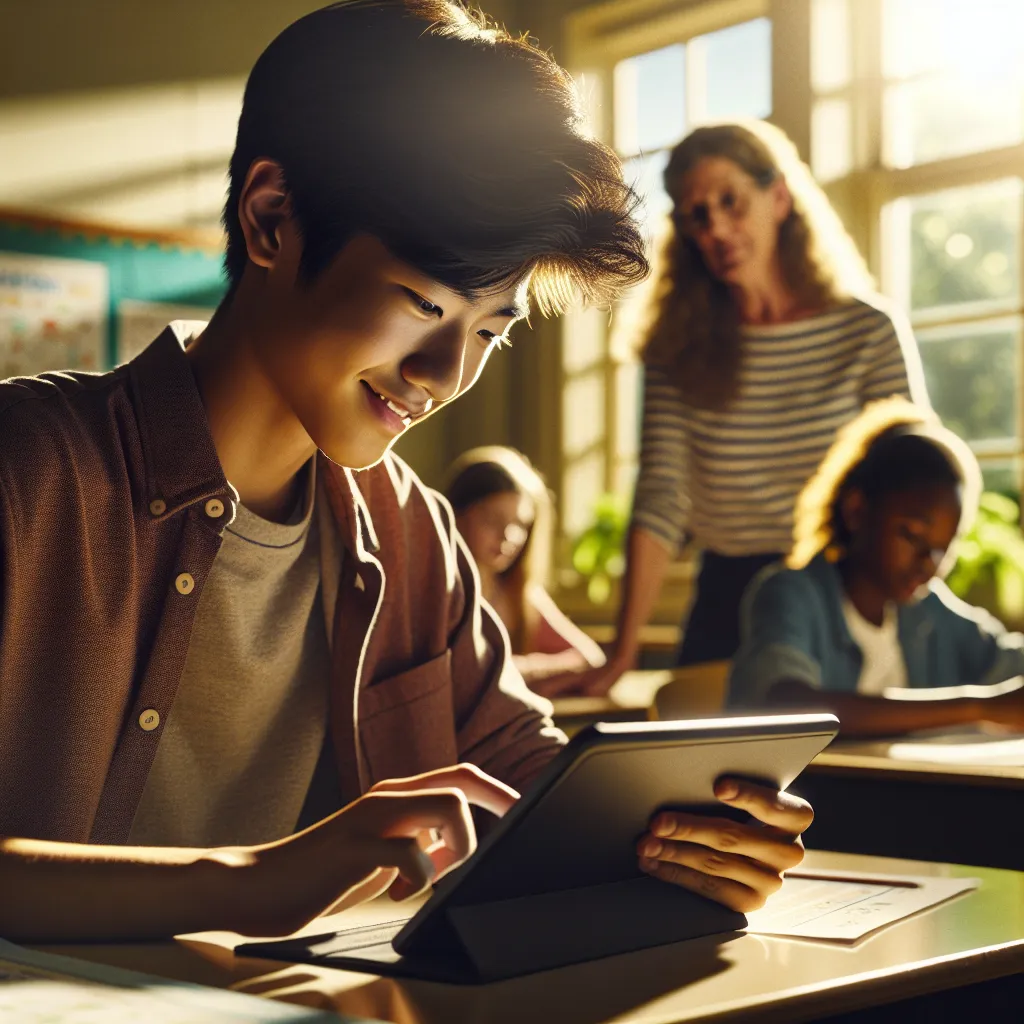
(990, 566)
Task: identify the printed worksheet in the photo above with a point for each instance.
(844, 907)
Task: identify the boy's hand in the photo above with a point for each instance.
(400, 836)
(737, 865)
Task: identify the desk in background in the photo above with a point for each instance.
(692, 692)
(968, 951)
(867, 802)
(864, 801)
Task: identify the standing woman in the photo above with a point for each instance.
(763, 339)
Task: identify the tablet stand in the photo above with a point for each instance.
(490, 941)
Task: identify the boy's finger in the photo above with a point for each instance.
(782, 810)
(726, 891)
(479, 787)
(777, 850)
(711, 862)
(406, 815)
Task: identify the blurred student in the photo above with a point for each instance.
(764, 338)
(220, 643)
(860, 621)
(503, 511)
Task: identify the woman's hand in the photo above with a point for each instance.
(399, 837)
(737, 865)
(591, 682)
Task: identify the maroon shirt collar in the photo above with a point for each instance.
(179, 452)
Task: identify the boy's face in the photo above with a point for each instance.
(370, 346)
(902, 541)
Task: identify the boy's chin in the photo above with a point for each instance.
(357, 457)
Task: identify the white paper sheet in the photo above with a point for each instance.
(844, 907)
(962, 746)
(39, 988)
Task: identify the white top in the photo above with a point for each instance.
(728, 479)
(883, 665)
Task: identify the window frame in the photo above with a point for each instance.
(864, 196)
(598, 38)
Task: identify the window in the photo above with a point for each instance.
(709, 63)
(953, 78)
(917, 121)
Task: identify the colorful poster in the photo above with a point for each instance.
(53, 314)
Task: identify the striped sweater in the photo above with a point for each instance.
(728, 480)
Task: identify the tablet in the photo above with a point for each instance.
(569, 847)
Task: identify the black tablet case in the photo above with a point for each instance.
(591, 900)
(492, 941)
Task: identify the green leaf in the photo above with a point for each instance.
(599, 589)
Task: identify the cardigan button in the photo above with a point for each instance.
(157, 507)
(184, 583)
(149, 720)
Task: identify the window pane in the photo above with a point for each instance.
(938, 117)
(624, 479)
(584, 329)
(830, 44)
(628, 406)
(965, 245)
(582, 413)
(974, 379)
(976, 38)
(645, 175)
(582, 485)
(731, 74)
(959, 69)
(1003, 477)
(650, 100)
(831, 139)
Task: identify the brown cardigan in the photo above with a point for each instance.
(112, 505)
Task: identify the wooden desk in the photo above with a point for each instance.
(976, 940)
(866, 802)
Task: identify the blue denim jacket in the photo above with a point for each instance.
(793, 628)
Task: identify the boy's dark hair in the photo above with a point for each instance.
(893, 446)
(459, 146)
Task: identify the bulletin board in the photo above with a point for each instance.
(85, 296)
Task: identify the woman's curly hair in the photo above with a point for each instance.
(892, 445)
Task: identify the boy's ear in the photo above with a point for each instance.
(852, 509)
(264, 207)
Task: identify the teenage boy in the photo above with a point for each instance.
(214, 636)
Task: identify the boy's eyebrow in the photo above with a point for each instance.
(517, 312)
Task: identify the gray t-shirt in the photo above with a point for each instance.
(249, 719)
